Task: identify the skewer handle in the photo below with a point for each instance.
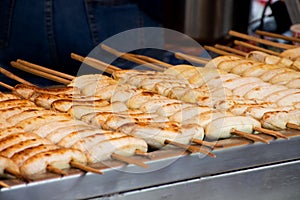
(6, 86)
(274, 35)
(145, 154)
(259, 40)
(47, 70)
(220, 52)
(128, 160)
(2, 184)
(97, 64)
(131, 58)
(249, 136)
(17, 175)
(39, 73)
(56, 170)
(206, 143)
(270, 132)
(293, 126)
(251, 46)
(14, 77)
(191, 149)
(152, 60)
(191, 58)
(84, 167)
(231, 50)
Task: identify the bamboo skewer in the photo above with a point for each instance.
(141, 153)
(128, 160)
(56, 170)
(218, 51)
(17, 175)
(131, 58)
(252, 137)
(152, 60)
(293, 126)
(245, 44)
(191, 149)
(84, 167)
(97, 64)
(14, 77)
(82, 59)
(2, 184)
(100, 63)
(206, 143)
(259, 40)
(274, 35)
(270, 132)
(191, 58)
(6, 86)
(231, 50)
(39, 73)
(47, 70)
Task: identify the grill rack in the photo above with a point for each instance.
(167, 167)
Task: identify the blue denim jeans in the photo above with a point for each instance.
(47, 31)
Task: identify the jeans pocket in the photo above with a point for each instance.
(107, 18)
(5, 22)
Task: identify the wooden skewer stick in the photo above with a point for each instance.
(47, 70)
(6, 86)
(152, 60)
(17, 175)
(56, 170)
(191, 58)
(141, 153)
(2, 184)
(274, 35)
(251, 46)
(84, 167)
(293, 126)
(218, 51)
(231, 50)
(206, 143)
(131, 58)
(259, 40)
(97, 64)
(249, 136)
(191, 149)
(128, 160)
(82, 59)
(39, 73)
(14, 77)
(270, 132)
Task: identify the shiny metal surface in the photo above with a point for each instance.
(208, 19)
(275, 182)
(169, 166)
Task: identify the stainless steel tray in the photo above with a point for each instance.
(275, 182)
(167, 168)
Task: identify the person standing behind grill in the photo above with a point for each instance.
(45, 32)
